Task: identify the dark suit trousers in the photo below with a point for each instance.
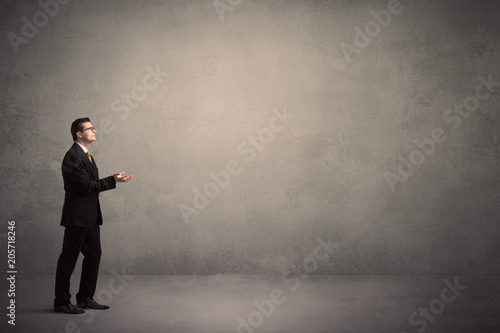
(76, 240)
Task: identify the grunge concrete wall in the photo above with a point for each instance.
(374, 123)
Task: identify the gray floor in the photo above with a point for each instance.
(229, 303)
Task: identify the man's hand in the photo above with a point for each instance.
(121, 178)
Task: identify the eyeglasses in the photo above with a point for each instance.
(90, 128)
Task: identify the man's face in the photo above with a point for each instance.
(88, 132)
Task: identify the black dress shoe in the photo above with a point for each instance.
(89, 303)
(69, 308)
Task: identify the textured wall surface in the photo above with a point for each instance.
(374, 123)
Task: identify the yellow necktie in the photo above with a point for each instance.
(88, 155)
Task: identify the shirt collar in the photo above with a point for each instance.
(83, 147)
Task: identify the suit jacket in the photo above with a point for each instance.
(82, 187)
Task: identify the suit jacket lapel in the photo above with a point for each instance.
(92, 165)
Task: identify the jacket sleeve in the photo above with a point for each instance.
(80, 179)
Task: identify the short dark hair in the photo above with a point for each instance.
(77, 126)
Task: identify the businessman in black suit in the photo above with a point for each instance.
(81, 217)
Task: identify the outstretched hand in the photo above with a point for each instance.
(121, 178)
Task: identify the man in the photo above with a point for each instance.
(81, 217)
